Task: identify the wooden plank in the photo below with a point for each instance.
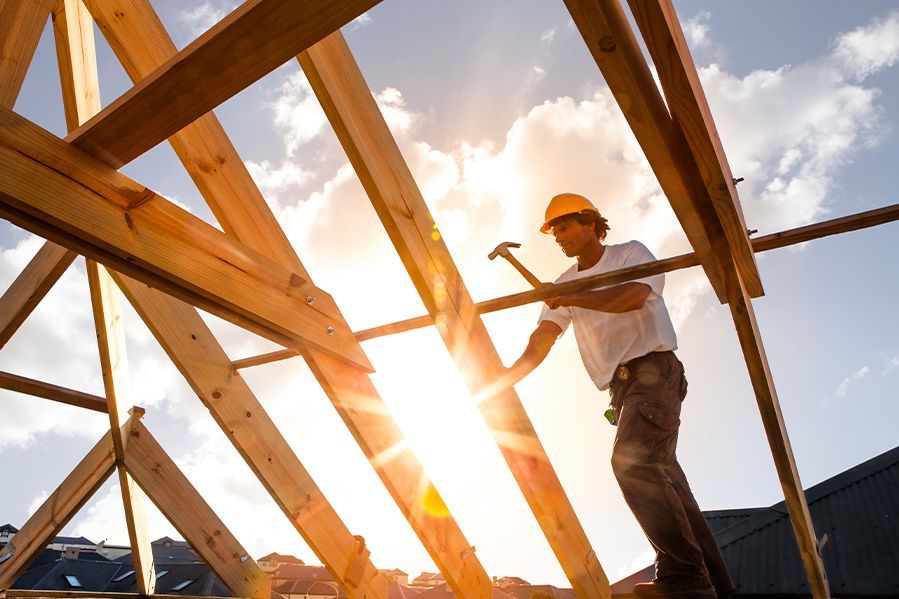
(142, 44)
(74, 35)
(62, 194)
(21, 24)
(58, 509)
(690, 111)
(176, 498)
(255, 39)
(773, 241)
(612, 44)
(776, 431)
(30, 287)
(362, 131)
(21, 384)
(193, 349)
(37, 594)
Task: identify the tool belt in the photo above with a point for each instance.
(626, 371)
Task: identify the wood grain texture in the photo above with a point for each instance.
(58, 509)
(611, 42)
(176, 498)
(690, 112)
(21, 24)
(21, 384)
(203, 363)
(58, 192)
(252, 41)
(778, 440)
(362, 131)
(141, 43)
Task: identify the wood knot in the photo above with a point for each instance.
(607, 43)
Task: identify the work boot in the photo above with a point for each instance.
(678, 587)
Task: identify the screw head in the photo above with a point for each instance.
(330, 330)
(309, 299)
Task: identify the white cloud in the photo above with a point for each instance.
(855, 377)
(37, 502)
(362, 20)
(697, 29)
(279, 183)
(549, 35)
(866, 50)
(204, 15)
(297, 113)
(890, 364)
(646, 558)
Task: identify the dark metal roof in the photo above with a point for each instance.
(204, 581)
(857, 510)
(93, 575)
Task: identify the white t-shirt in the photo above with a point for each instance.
(606, 340)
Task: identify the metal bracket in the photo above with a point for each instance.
(8, 552)
(467, 552)
(358, 561)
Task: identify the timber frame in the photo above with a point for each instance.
(70, 192)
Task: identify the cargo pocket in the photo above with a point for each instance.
(664, 419)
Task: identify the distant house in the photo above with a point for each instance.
(538, 591)
(273, 561)
(856, 516)
(428, 579)
(397, 576)
(508, 581)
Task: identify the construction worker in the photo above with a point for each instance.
(627, 342)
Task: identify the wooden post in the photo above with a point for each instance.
(58, 509)
(21, 384)
(21, 24)
(177, 499)
(361, 129)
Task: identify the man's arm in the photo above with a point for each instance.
(620, 298)
(539, 344)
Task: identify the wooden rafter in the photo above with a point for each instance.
(61, 193)
(176, 498)
(21, 24)
(361, 129)
(692, 117)
(21, 384)
(194, 350)
(255, 39)
(142, 44)
(74, 35)
(57, 510)
(612, 44)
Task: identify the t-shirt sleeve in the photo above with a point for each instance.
(561, 316)
(637, 253)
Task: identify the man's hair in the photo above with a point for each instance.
(585, 218)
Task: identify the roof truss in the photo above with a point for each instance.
(70, 192)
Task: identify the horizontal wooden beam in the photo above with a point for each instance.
(21, 384)
(179, 501)
(58, 192)
(766, 243)
(56, 511)
(258, 37)
(37, 594)
(690, 112)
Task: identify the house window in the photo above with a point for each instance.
(122, 577)
(182, 585)
(161, 574)
(73, 581)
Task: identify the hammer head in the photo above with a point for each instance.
(503, 249)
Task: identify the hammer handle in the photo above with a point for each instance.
(534, 281)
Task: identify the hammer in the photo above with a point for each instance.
(503, 250)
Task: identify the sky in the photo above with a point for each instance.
(497, 106)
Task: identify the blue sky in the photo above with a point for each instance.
(496, 107)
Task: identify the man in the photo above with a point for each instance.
(626, 341)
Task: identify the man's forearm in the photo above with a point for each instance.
(621, 298)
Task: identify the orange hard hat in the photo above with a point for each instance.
(565, 204)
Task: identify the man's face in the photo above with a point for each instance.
(573, 237)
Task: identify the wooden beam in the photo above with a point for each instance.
(612, 44)
(690, 112)
(142, 44)
(21, 384)
(361, 129)
(193, 349)
(62, 194)
(773, 241)
(776, 431)
(30, 287)
(74, 35)
(176, 498)
(255, 39)
(21, 24)
(37, 594)
(57, 510)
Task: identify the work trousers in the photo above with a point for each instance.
(646, 397)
